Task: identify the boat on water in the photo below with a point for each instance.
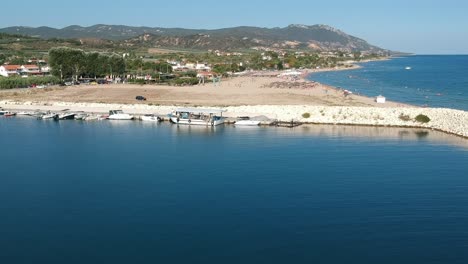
(8, 113)
(2, 112)
(66, 116)
(150, 118)
(119, 115)
(196, 116)
(247, 123)
(49, 116)
(408, 68)
(81, 116)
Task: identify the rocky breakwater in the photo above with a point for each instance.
(442, 119)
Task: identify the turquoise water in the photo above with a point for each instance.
(435, 81)
(128, 192)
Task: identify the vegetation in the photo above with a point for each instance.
(306, 115)
(404, 117)
(19, 82)
(422, 118)
(73, 63)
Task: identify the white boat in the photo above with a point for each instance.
(247, 123)
(150, 118)
(119, 115)
(81, 116)
(49, 116)
(408, 68)
(2, 112)
(197, 116)
(66, 116)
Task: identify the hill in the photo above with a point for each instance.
(316, 37)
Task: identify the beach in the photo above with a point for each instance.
(281, 99)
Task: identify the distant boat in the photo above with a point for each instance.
(119, 115)
(150, 118)
(50, 116)
(196, 116)
(247, 123)
(66, 116)
(8, 114)
(408, 68)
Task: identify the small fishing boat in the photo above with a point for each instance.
(119, 115)
(408, 68)
(2, 112)
(196, 116)
(66, 116)
(9, 114)
(49, 116)
(247, 123)
(81, 116)
(150, 118)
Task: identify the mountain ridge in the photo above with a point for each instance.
(315, 37)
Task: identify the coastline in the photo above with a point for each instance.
(283, 99)
(450, 121)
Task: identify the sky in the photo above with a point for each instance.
(421, 27)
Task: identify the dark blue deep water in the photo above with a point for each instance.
(435, 81)
(128, 192)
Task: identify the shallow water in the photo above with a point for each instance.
(129, 192)
(434, 81)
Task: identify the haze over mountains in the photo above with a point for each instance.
(301, 37)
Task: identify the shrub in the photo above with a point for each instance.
(306, 115)
(404, 117)
(422, 118)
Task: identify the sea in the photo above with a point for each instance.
(423, 80)
(133, 192)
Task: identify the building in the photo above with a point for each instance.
(9, 70)
(30, 70)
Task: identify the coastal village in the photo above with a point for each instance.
(266, 86)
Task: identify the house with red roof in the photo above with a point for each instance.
(9, 70)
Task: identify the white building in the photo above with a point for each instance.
(9, 70)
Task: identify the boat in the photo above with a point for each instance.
(49, 116)
(150, 118)
(66, 116)
(408, 68)
(119, 115)
(8, 114)
(247, 123)
(81, 116)
(197, 116)
(2, 112)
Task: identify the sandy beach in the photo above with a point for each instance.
(231, 92)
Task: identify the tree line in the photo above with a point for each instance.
(69, 63)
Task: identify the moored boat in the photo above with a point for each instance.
(196, 116)
(66, 116)
(9, 114)
(119, 115)
(247, 123)
(49, 116)
(150, 118)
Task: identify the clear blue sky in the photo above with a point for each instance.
(423, 27)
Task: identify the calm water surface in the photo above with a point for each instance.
(435, 81)
(128, 192)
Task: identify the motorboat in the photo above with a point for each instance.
(247, 123)
(66, 116)
(8, 114)
(150, 118)
(119, 115)
(49, 116)
(81, 116)
(408, 68)
(197, 116)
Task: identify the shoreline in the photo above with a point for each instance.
(282, 98)
(445, 120)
